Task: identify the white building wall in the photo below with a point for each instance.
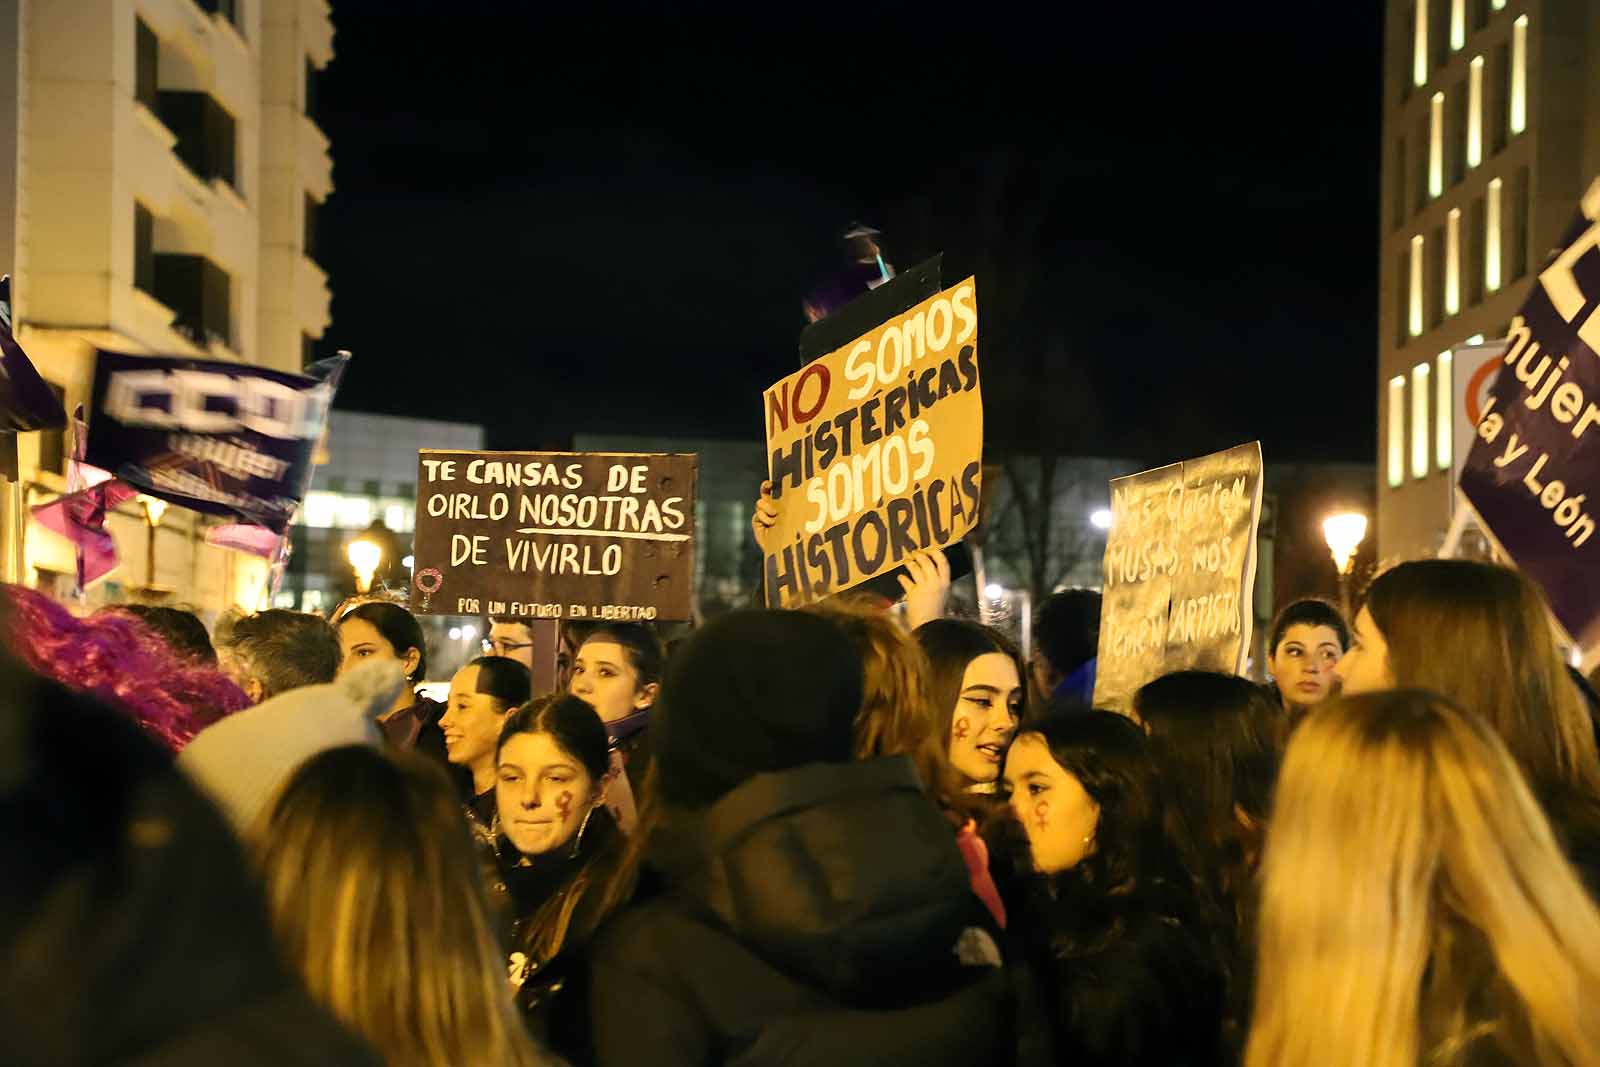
(86, 152)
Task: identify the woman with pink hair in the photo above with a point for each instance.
(115, 657)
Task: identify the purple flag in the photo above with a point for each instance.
(1533, 474)
(80, 515)
(220, 438)
(245, 537)
(26, 402)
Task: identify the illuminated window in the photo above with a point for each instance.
(394, 517)
(1475, 339)
(1519, 75)
(1452, 262)
(1458, 25)
(1415, 319)
(1420, 445)
(1444, 410)
(1397, 431)
(1491, 242)
(318, 510)
(1419, 55)
(1498, 5)
(1475, 112)
(1436, 145)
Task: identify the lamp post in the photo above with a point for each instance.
(1344, 533)
(364, 556)
(154, 507)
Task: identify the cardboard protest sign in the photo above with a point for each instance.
(1533, 474)
(221, 438)
(1180, 569)
(597, 536)
(875, 451)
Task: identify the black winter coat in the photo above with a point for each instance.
(1142, 987)
(816, 916)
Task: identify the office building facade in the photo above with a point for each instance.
(1491, 133)
(160, 181)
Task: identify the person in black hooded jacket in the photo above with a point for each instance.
(132, 930)
(810, 909)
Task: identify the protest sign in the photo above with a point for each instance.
(875, 451)
(596, 536)
(1179, 572)
(1533, 475)
(26, 401)
(220, 438)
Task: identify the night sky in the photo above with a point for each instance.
(603, 219)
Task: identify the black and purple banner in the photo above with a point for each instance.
(26, 402)
(220, 438)
(1533, 474)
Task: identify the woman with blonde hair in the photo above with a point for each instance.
(377, 901)
(1481, 635)
(1416, 908)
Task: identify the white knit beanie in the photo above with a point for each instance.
(242, 760)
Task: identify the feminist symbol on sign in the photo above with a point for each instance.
(429, 581)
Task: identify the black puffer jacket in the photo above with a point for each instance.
(815, 916)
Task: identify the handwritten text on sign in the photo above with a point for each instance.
(875, 451)
(1179, 572)
(555, 535)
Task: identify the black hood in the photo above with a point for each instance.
(844, 876)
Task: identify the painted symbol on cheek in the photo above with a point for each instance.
(564, 806)
(963, 727)
(1041, 814)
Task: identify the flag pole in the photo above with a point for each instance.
(13, 523)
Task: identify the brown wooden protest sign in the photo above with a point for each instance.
(875, 451)
(1179, 572)
(555, 535)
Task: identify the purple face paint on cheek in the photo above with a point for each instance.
(963, 727)
(1041, 815)
(564, 806)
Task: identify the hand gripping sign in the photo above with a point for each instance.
(875, 451)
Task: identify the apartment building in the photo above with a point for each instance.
(160, 174)
(1491, 132)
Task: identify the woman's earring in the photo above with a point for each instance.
(577, 842)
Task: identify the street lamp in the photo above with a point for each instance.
(1344, 533)
(1100, 518)
(154, 507)
(364, 556)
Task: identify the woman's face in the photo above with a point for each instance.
(543, 793)
(985, 716)
(1304, 662)
(360, 642)
(471, 721)
(604, 679)
(1060, 817)
(1365, 668)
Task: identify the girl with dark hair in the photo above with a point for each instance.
(1122, 965)
(976, 682)
(560, 855)
(1308, 638)
(617, 671)
(481, 694)
(1214, 738)
(381, 631)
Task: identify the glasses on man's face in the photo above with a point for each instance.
(499, 646)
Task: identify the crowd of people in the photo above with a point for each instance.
(847, 834)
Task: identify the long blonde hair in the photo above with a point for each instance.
(1415, 902)
(377, 900)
